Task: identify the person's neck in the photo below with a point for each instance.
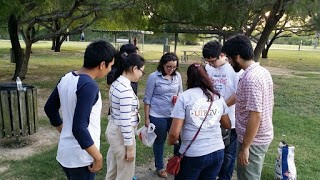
(86, 71)
(127, 75)
(222, 62)
(246, 64)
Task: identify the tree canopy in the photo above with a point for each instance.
(37, 20)
(263, 21)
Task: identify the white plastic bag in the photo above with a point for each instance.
(285, 166)
(147, 135)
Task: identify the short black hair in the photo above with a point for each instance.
(211, 49)
(169, 56)
(239, 45)
(98, 51)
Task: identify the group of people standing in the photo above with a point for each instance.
(231, 91)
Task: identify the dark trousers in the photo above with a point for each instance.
(162, 128)
(80, 173)
(230, 151)
(204, 167)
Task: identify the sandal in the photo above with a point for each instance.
(162, 173)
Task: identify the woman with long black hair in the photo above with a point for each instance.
(203, 159)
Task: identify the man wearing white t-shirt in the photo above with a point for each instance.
(225, 81)
(78, 97)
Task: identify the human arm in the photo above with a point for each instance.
(180, 84)
(175, 130)
(178, 116)
(87, 95)
(126, 97)
(231, 100)
(130, 155)
(51, 109)
(97, 158)
(146, 114)
(150, 86)
(254, 108)
(225, 121)
(59, 128)
(251, 131)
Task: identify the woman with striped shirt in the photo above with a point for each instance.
(123, 119)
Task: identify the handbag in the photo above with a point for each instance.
(173, 166)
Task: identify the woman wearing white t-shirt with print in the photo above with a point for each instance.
(204, 158)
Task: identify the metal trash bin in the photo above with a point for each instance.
(18, 110)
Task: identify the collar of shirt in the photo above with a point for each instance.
(246, 71)
(159, 73)
(124, 80)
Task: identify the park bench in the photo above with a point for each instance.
(188, 53)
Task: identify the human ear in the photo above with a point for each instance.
(102, 63)
(135, 67)
(238, 58)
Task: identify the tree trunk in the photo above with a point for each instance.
(175, 42)
(53, 46)
(25, 64)
(16, 47)
(58, 44)
(264, 38)
(265, 52)
(275, 15)
(269, 44)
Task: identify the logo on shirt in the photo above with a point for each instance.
(199, 111)
(220, 82)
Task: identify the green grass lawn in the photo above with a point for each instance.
(296, 112)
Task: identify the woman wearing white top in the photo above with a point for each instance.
(123, 119)
(204, 158)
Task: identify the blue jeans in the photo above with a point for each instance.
(80, 173)
(162, 128)
(230, 152)
(204, 167)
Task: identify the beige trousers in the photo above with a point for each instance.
(117, 167)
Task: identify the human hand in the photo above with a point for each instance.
(96, 165)
(130, 153)
(147, 122)
(243, 156)
(59, 128)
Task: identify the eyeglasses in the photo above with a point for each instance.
(143, 73)
(171, 67)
